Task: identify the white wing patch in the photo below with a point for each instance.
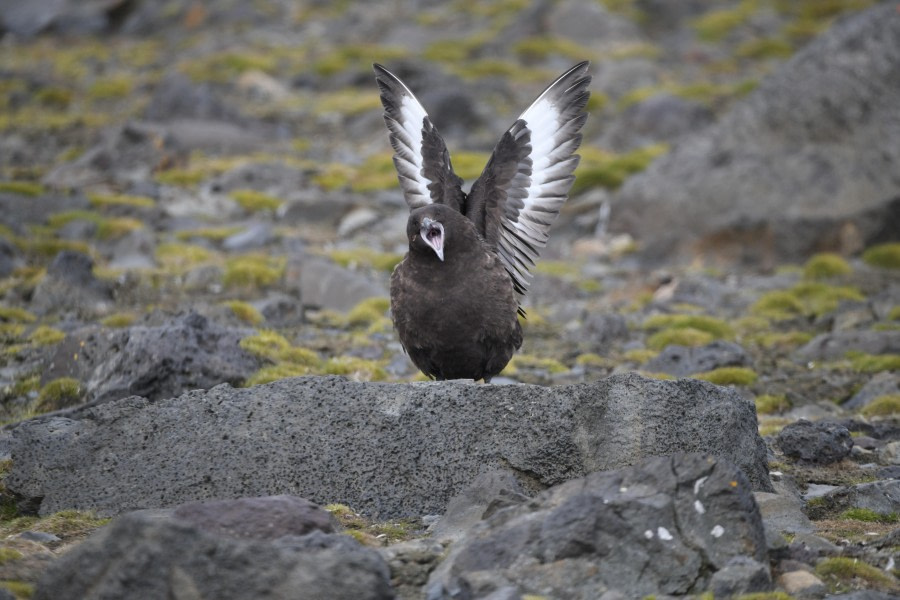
(553, 121)
(406, 120)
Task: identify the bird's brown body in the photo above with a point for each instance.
(455, 331)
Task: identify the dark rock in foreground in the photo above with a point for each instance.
(384, 449)
(147, 556)
(665, 526)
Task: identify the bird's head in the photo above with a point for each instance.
(427, 229)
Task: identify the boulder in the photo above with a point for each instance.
(833, 346)
(154, 361)
(682, 361)
(662, 527)
(70, 285)
(151, 557)
(804, 164)
(384, 449)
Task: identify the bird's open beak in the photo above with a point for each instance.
(433, 234)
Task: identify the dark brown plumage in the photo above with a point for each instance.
(456, 294)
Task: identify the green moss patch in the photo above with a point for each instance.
(15, 314)
(883, 406)
(825, 265)
(178, 256)
(67, 524)
(368, 311)
(370, 532)
(728, 376)
(681, 336)
(253, 270)
(46, 336)
(603, 169)
(715, 25)
(108, 228)
(768, 403)
(22, 188)
(245, 311)
(111, 88)
(381, 261)
(275, 372)
(528, 361)
(864, 514)
(873, 363)
(885, 256)
(58, 394)
(844, 574)
(253, 201)
(118, 320)
(808, 298)
(107, 200)
(640, 355)
(266, 344)
(717, 328)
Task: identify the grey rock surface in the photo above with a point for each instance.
(742, 575)
(70, 285)
(803, 164)
(489, 492)
(783, 513)
(147, 557)
(662, 527)
(154, 361)
(821, 442)
(831, 346)
(266, 518)
(324, 284)
(682, 361)
(881, 384)
(383, 449)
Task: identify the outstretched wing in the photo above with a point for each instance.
(521, 191)
(421, 157)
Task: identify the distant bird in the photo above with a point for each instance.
(456, 294)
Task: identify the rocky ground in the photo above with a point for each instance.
(195, 194)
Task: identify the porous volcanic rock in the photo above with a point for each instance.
(383, 449)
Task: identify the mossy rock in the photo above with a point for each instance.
(22, 188)
(59, 393)
(357, 369)
(254, 201)
(368, 311)
(177, 255)
(118, 320)
(806, 299)
(602, 169)
(717, 328)
(276, 372)
(826, 265)
(265, 344)
(381, 261)
(46, 336)
(528, 361)
(680, 336)
(885, 256)
(109, 200)
(245, 311)
(728, 376)
(15, 314)
(253, 270)
(883, 406)
(715, 25)
(843, 574)
(767, 404)
(111, 88)
(870, 516)
(874, 363)
(763, 48)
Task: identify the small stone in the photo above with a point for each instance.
(741, 575)
(783, 513)
(41, 537)
(802, 584)
(889, 454)
(820, 443)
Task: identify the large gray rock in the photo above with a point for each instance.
(185, 353)
(148, 557)
(384, 449)
(821, 443)
(835, 345)
(682, 361)
(805, 163)
(664, 526)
